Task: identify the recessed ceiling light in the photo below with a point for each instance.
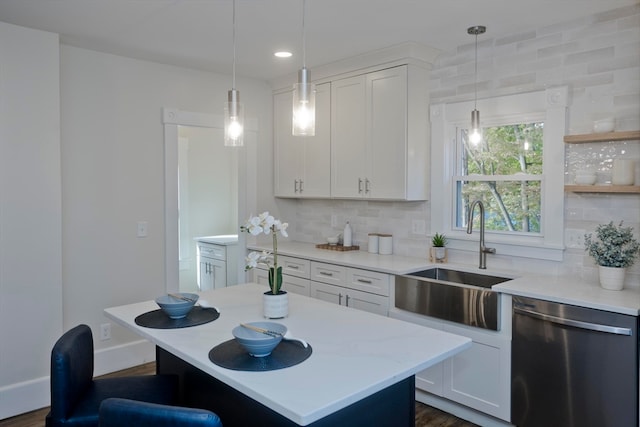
(283, 54)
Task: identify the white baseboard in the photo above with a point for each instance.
(123, 356)
(460, 411)
(18, 398)
(24, 397)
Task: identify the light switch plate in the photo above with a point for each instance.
(142, 228)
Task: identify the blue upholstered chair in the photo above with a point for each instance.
(76, 395)
(125, 412)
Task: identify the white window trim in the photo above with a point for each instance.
(549, 105)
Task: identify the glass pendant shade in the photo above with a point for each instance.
(475, 136)
(233, 120)
(304, 105)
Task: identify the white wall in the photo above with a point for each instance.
(30, 215)
(112, 177)
(597, 57)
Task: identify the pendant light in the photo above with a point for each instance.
(475, 136)
(233, 109)
(304, 94)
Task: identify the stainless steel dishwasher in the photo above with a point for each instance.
(573, 366)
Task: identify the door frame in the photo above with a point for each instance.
(172, 118)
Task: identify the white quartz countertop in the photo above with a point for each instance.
(226, 239)
(574, 291)
(563, 289)
(392, 264)
(355, 353)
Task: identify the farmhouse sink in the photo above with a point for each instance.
(461, 277)
(457, 296)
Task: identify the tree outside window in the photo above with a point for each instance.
(504, 170)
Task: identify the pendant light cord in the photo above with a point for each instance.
(304, 37)
(475, 84)
(233, 86)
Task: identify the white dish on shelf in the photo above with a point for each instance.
(585, 179)
(604, 125)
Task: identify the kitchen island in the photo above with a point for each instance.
(361, 370)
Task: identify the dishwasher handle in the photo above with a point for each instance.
(574, 323)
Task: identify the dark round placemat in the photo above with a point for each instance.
(159, 320)
(232, 355)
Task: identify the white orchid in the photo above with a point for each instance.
(267, 224)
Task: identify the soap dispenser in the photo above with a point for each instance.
(346, 236)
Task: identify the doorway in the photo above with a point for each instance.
(203, 183)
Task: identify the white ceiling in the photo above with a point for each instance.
(198, 33)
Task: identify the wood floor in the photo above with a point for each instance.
(426, 416)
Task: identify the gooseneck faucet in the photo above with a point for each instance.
(483, 250)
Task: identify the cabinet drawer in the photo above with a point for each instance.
(295, 266)
(212, 251)
(368, 281)
(329, 273)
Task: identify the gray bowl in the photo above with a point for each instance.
(258, 344)
(176, 308)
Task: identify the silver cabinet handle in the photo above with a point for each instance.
(339, 299)
(324, 273)
(347, 298)
(293, 267)
(574, 323)
(359, 185)
(295, 186)
(366, 185)
(301, 186)
(365, 281)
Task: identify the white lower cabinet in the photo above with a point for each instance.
(295, 275)
(350, 298)
(216, 266)
(293, 284)
(478, 377)
(361, 289)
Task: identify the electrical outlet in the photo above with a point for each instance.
(105, 331)
(574, 238)
(418, 226)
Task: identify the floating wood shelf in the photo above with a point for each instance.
(603, 189)
(633, 135)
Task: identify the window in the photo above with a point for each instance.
(504, 170)
(517, 170)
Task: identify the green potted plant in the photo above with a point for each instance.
(275, 300)
(613, 248)
(439, 251)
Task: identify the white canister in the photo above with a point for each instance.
(623, 171)
(373, 243)
(385, 244)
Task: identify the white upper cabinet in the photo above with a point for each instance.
(379, 135)
(302, 164)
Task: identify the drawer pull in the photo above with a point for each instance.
(347, 298)
(365, 281)
(324, 273)
(293, 267)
